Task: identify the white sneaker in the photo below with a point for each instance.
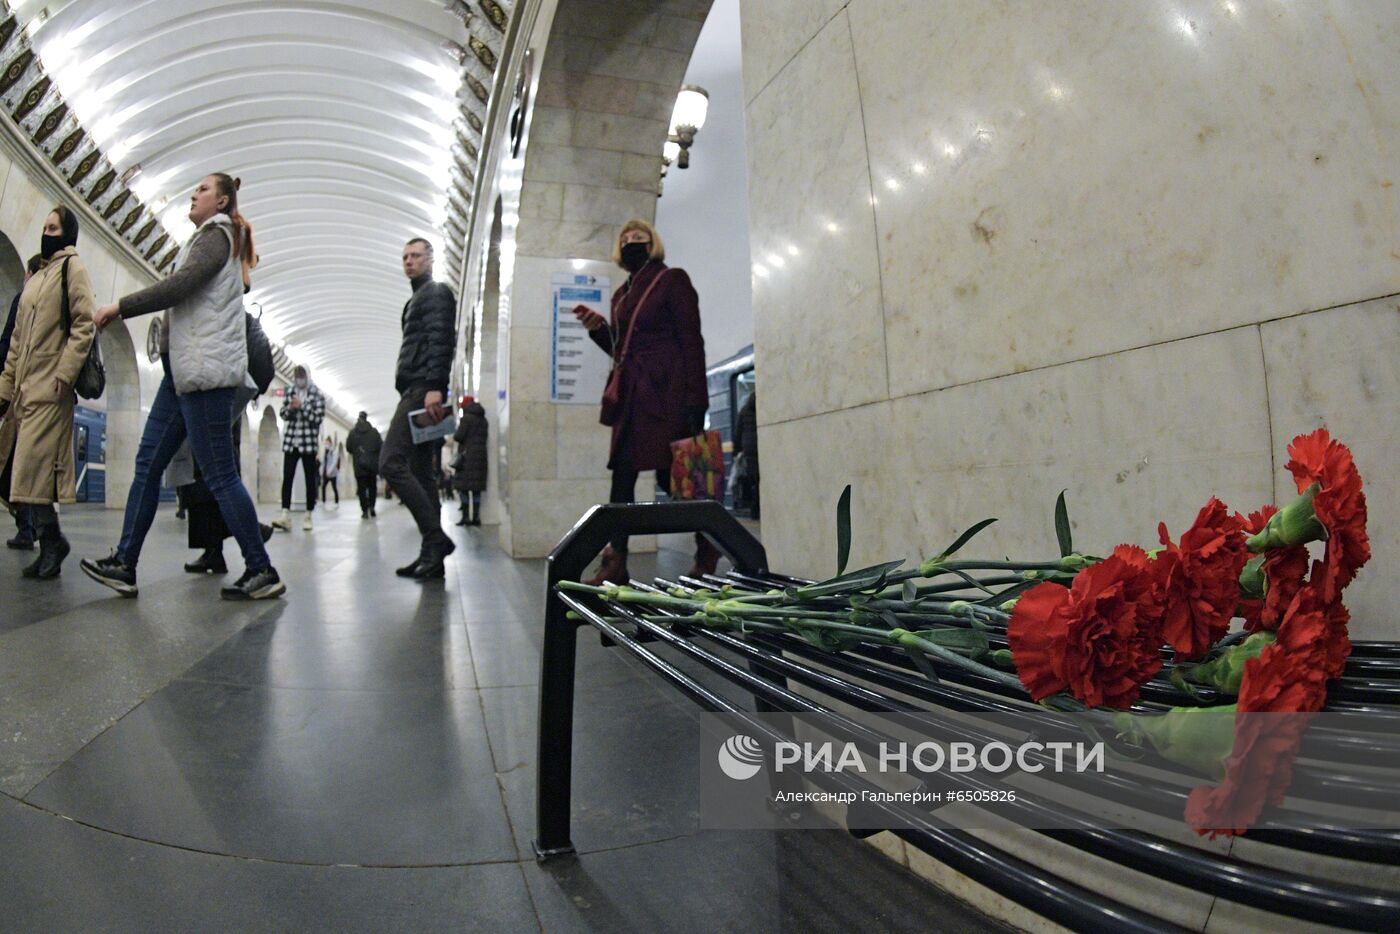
(282, 523)
(306, 523)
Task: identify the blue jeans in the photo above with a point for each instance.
(206, 418)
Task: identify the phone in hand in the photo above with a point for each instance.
(588, 317)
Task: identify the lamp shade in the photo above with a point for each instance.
(692, 105)
(671, 150)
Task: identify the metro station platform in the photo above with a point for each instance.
(359, 757)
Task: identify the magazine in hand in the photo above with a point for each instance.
(424, 433)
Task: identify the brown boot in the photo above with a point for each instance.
(706, 557)
(613, 570)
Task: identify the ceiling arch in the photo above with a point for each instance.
(338, 116)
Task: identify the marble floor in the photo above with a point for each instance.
(360, 757)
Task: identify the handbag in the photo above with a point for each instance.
(260, 363)
(612, 392)
(92, 378)
(697, 467)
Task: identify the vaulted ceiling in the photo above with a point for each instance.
(353, 125)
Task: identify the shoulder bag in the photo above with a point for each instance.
(612, 392)
(92, 378)
(261, 366)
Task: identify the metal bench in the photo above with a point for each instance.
(779, 673)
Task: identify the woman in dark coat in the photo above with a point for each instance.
(654, 339)
(469, 467)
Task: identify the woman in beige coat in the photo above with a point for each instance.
(36, 389)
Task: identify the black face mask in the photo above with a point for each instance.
(635, 255)
(49, 245)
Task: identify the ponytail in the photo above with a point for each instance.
(243, 246)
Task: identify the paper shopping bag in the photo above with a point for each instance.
(697, 467)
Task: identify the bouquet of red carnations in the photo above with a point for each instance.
(1099, 639)
(1087, 633)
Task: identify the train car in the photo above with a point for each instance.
(90, 457)
(731, 382)
(90, 454)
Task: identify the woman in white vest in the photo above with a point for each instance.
(205, 356)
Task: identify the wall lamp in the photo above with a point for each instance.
(687, 119)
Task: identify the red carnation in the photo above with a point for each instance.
(1257, 520)
(1281, 690)
(1283, 570)
(1201, 579)
(1258, 774)
(1338, 503)
(1273, 578)
(1100, 639)
(1315, 633)
(1276, 703)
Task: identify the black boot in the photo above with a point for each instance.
(50, 563)
(612, 570)
(53, 547)
(706, 557)
(436, 547)
(211, 562)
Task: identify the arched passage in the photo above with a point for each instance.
(592, 159)
(123, 399)
(248, 447)
(487, 376)
(11, 272)
(269, 458)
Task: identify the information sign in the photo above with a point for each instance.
(578, 369)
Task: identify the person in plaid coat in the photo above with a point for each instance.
(302, 414)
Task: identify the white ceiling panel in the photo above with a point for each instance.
(337, 116)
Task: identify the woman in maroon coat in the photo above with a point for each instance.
(654, 337)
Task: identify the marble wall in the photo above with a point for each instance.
(1128, 250)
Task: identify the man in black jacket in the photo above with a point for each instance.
(363, 444)
(422, 380)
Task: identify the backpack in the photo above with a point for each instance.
(260, 364)
(92, 378)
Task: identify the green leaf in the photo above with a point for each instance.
(843, 530)
(909, 592)
(864, 579)
(969, 580)
(1002, 658)
(969, 642)
(1062, 531)
(889, 619)
(1010, 593)
(922, 663)
(965, 537)
(829, 640)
